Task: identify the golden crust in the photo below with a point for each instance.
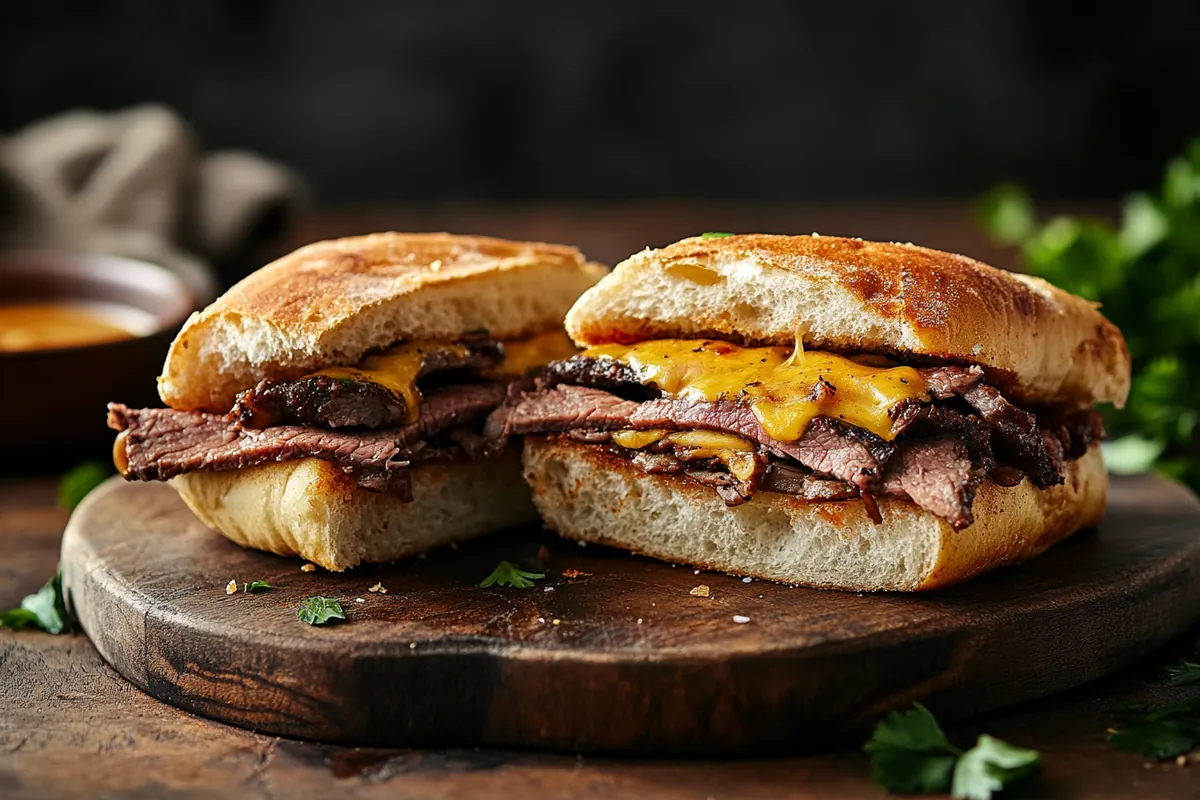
(588, 494)
(1037, 342)
(331, 302)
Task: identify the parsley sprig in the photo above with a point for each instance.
(319, 610)
(1145, 272)
(507, 573)
(1162, 731)
(79, 481)
(910, 754)
(255, 587)
(44, 609)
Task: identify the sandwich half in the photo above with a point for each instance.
(823, 411)
(331, 405)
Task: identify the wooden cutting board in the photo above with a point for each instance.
(622, 658)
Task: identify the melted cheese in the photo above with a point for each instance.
(782, 385)
(735, 452)
(397, 369)
(523, 355)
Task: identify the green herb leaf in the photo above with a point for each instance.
(507, 573)
(1163, 731)
(1145, 273)
(319, 610)
(715, 235)
(43, 609)
(256, 587)
(989, 766)
(1131, 455)
(1183, 673)
(910, 753)
(17, 618)
(76, 484)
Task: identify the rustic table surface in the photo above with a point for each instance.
(71, 727)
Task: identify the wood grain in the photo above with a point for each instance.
(438, 661)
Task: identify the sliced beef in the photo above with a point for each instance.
(937, 475)
(342, 403)
(161, 443)
(946, 382)
(608, 374)
(787, 479)
(1017, 439)
(560, 409)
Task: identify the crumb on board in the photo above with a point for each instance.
(695, 572)
(359, 600)
(231, 587)
(699, 591)
(571, 572)
(556, 622)
(412, 645)
(309, 568)
(639, 620)
(548, 589)
(378, 588)
(740, 620)
(542, 620)
(747, 579)
(1181, 760)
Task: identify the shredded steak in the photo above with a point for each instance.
(1017, 439)
(161, 443)
(937, 475)
(343, 403)
(942, 452)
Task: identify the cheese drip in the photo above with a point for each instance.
(735, 452)
(398, 368)
(523, 355)
(786, 388)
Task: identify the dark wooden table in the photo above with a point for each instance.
(71, 727)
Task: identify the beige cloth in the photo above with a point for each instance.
(134, 183)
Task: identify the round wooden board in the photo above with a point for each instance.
(620, 659)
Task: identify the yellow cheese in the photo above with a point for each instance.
(785, 387)
(523, 355)
(397, 369)
(636, 440)
(736, 452)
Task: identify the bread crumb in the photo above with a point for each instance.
(231, 587)
(695, 572)
(542, 620)
(639, 620)
(556, 622)
(548, 589)
(740, 620)
(412, 645)
(1181, 761)
(582, 544)
(359, 600)
(309, 568)
(747, 580)
(699, 591)
(376, 587)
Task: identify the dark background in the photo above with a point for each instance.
(749, 100)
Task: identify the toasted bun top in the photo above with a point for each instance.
(1039, 344)
(329, 303)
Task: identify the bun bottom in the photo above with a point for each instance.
(589, 495)
(309, 509)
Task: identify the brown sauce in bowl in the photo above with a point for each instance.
(56, 324)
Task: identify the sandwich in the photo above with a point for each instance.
(331, 405)
(823, 411)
